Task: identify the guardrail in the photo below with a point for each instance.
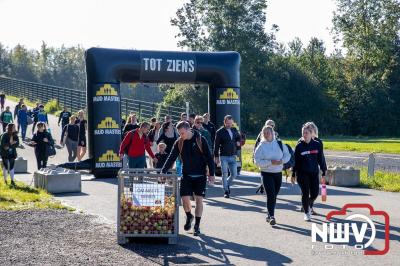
(76, 99)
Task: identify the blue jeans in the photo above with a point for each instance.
(23, 130)
(228, 162)
(137, 162)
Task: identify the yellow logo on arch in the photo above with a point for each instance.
(229, 94)
(109, 156)
(108, 122)
(107, 90)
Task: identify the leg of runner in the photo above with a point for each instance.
(303, 180)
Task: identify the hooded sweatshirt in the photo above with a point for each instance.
(266, 152)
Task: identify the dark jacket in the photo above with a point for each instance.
(64, 118)
(162, 158)
(6, 149)
(224, 145)
(72, 132)
(168, 141)
(308, 156)
(211, 128)
(194, 161)
(41, 146)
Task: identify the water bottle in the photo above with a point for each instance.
(323, 190)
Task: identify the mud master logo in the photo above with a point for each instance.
(229, 96)
(337, 234)
(109, 160)
(108, 126)
(106, 93)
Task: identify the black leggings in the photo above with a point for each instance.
(272, 184)
(8, 162)
(41, 160)
(309, 185)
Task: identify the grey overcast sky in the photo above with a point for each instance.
(139, 24)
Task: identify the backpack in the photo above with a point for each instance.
(198, 142)
(290, 163)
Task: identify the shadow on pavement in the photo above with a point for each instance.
(191, 250)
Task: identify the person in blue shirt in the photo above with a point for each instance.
(42, 115)
(23, 120)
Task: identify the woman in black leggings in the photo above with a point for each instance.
(8, 149)
(309, 160)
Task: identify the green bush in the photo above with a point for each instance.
(52, 106)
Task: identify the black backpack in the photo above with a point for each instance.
(290, 163)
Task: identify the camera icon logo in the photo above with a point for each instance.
(339, 232)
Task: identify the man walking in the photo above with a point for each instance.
(227, 141)
(135, 144)
(193, 150)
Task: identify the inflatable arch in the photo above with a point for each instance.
(106, 68)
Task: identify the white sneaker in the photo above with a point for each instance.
(307, 216)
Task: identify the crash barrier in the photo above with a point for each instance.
(147, 205)
(58, 180)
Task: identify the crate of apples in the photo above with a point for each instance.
(142, 220)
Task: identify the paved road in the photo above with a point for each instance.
(234, 230)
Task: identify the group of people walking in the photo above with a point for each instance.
(270, 155)
(73, 135)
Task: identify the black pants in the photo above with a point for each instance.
(8, 162)
(272, 184)
(41, 160)
(309, 185)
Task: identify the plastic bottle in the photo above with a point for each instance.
(323, 190)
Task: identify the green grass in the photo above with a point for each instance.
(386, 181)
(23, 197)
(362, 144)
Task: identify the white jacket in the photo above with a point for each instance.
(268, 151)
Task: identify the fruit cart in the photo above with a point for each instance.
(147, 205)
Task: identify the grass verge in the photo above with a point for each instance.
(382, 180)
(23, 197)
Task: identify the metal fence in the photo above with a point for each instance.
(76, 99)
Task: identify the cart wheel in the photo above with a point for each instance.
(122, 240)
(172, 241)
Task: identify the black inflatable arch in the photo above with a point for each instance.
(106, 68)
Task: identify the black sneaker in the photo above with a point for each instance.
(312, 212)
(196, 231)
(12, 183)
(226, 195)
(188, 223)
(272, 221)
(268, 219)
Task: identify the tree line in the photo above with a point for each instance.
(354, 90)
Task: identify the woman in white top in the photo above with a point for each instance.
(270, 157)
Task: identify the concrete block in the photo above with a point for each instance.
(59, 180)
(21, 165)
(343, 177)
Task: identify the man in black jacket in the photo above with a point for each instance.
(227, 141)
(193, 150)
(207, 124)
